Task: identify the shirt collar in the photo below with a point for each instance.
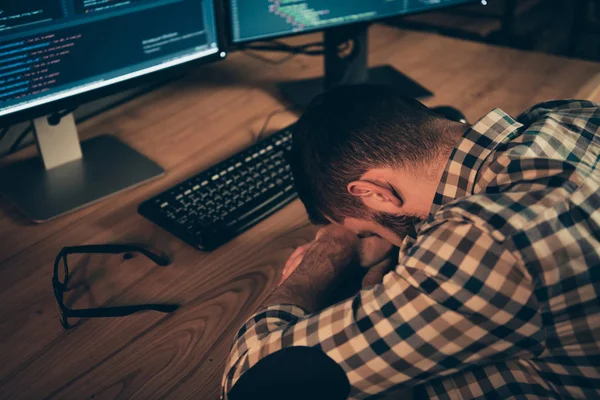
(460, 175)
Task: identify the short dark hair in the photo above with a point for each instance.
(349, 130)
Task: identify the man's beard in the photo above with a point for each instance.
(400, 225)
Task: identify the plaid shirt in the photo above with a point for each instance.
(497, 295)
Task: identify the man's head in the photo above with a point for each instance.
(370, 159)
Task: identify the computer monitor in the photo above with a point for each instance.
(342, 21)
(57, 54)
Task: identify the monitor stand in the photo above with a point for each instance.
(347, 67)
(69, 176)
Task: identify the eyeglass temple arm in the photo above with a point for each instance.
(120, 311)
(163, 261)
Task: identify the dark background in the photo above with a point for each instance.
(569, 28)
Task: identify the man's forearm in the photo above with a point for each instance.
(307, 289)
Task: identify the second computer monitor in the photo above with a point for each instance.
(343, 21)
(269, 19)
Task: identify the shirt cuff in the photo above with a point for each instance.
(258, 326)
(275, 316)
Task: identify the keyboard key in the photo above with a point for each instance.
(183, 220)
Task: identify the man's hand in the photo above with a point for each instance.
(367, 252)
(314, 270)
(294, 261)
(374, 250)
(376, 273)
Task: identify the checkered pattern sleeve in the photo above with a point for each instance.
(458, 299)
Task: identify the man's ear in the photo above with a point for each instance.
(376, 196)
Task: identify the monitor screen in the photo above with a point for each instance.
(54, 49)
(266, 19)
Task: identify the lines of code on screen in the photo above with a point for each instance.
(261, 19)
(93, 6)
(33, 65)
(73, 56)
(19, 13)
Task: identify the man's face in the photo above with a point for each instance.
(392, 228)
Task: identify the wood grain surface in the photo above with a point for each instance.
(187, 126)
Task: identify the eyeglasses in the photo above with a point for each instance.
(61, 286)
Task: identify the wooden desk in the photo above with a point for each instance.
(187, 126)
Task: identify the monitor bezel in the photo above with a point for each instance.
(77, 100)
(233, 45)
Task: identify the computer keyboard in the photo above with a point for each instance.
(218, 204)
